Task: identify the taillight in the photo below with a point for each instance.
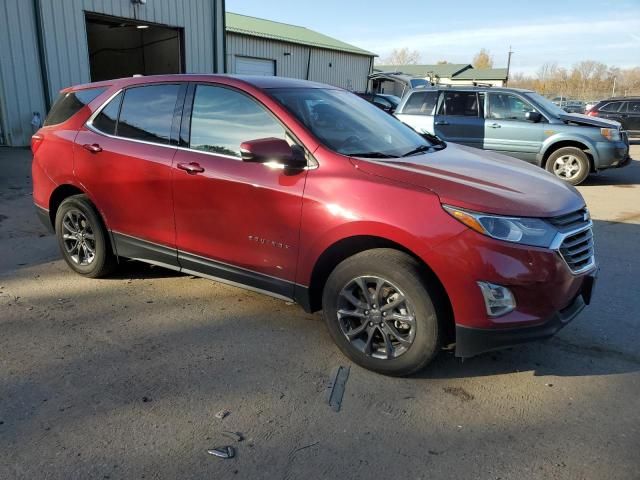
(592, 113)
(36, 141)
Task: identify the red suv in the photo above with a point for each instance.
(309, 193)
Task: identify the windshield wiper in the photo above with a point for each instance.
(371, 155)
(421, 148)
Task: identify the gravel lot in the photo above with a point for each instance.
(122, 377)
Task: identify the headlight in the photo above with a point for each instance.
(611, 134)
(527, 231)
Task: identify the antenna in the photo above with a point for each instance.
(506, 81)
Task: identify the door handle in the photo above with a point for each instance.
(442, 122)
(92, 147)
(191, 168)
(494, 125)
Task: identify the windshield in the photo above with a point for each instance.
(349, 125)
(546, 104)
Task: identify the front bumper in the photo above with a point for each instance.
(612, 155)
(473, 341)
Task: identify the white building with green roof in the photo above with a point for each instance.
(255, 46)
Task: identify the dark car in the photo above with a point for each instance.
(386, 102)
(625, 110)
(310, 194)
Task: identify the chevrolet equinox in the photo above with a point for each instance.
(309, 193)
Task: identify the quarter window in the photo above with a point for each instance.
(421, 103)
(461, 104)
(147, 113)
(611, 107)
(504, 106)
(107, 119)
(222, 119)
(70, 103)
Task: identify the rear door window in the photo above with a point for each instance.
(147, 113)
(70, 103)
(633, 107)
(421, 103)
(461, 104)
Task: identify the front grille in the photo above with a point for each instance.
(571, 221)
(577, 250)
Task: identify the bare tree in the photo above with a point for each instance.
(587, 80)
(482, 59)
(402, 56)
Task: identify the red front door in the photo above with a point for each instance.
(234, 219)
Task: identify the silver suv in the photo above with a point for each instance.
(519, 123)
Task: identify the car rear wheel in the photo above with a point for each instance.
(569, 164)
(83, 239)
(379, 311)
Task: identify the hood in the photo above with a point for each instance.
(482, 181)
(589, 121)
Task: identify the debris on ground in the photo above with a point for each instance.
(237, 436)
(222, 452)
(459, 392)
(222, 413)
(336, 387)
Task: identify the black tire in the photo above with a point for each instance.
(80, 221)
(404, 277)
(562, 157)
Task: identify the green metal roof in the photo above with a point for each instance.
(483, 74)
(284, 32)
(447, 70)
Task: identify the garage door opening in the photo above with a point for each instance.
(121, 47)
(255, 66)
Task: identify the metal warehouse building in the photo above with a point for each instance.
(262, 47)
(46, 45)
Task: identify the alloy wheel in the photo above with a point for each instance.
(567, 167)
(376, 317)
(78, 238)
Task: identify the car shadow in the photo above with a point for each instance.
(134, 270)
(626, 177)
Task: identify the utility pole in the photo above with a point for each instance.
(508, 66)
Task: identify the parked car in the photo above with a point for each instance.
(310, 194)
(625, 110)
(519, 123)
(388, 103)
(590, 104)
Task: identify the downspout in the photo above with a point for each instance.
(44, 77)
(219, 18)
(366, 90)
(224, 37)
(308, 63)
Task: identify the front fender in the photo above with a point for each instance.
(550, 142)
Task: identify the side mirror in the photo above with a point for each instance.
(275, 152)
(534, 117)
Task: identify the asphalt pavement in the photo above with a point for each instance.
(122, 378)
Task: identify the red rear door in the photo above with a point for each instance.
(235, 220)
(123, 159)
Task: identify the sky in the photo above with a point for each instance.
(561, 31)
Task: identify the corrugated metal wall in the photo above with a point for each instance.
(341, 69)
(65, 50)
(20, 77)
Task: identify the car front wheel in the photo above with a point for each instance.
(569, 164)
(379, 311)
